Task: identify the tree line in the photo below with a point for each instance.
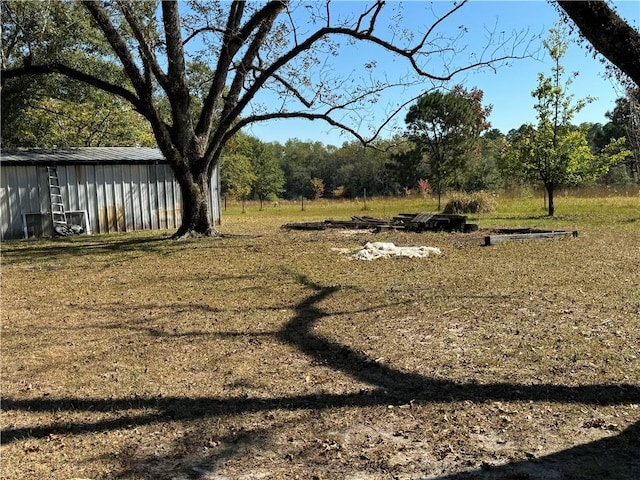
(475, 159)
(268, 171)
(187, 77)
(449, 144)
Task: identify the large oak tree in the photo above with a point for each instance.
(151, 55)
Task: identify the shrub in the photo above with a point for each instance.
(338, 192)
(318, 188)
(477, 202)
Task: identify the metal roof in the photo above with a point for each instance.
(81, 155)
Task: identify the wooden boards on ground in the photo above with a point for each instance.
(522, 235)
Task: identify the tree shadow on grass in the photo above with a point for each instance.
(389, 385)
(60, 248)
(616, 457)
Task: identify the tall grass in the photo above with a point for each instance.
(477, 202)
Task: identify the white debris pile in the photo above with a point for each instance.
(373, 250)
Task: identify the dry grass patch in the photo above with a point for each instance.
(477, 202)
(268, 355)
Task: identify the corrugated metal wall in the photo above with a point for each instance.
(117, 197)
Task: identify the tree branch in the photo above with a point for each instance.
(323, 32)
(177, 88)
(234, 38)
(247, 60)
(198, 31)
(417, 48)
(119, 46)
(296, 93)
(288, 115)
(231, 43)
(326, 116)
(609, 34)
(375, 8)
(271, 71)
(146, 51)
(56, 67)
(175, 50)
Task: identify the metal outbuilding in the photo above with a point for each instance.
(103, 189)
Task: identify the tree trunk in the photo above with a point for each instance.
(195, 207)
(552, 208)
(609, 34)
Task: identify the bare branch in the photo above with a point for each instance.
(198, 31)
(326, 115)
(119, 47)
(328, 10)
(344, 31)
(426, 36)
(375, 8)
(393, 115)
(56, 67)
(234, 38)
(146, 51)
(288, 115)
(294, 91)
(294, 30)
(252, 52)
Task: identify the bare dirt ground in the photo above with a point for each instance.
(273, 356)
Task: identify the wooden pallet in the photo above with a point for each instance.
(435, 222)
(523, 234)
(414, 222)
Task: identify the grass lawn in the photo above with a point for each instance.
(270, 354)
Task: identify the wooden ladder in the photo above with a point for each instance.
(58, 215)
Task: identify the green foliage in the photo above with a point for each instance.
(617, 176)
(406, 168)
(554, 151)
(625, 121)
(444, 128)
(561, 159)
(269, 180)
(296, 160)
(53, 110)
(98, 121)
(362, 168)
(477, 202)
(237, 175)
(250, 167)
(352, 167)
(482, 171)
(49, 30)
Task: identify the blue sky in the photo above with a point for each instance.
(508, 89)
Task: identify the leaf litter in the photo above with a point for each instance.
(261, 357)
